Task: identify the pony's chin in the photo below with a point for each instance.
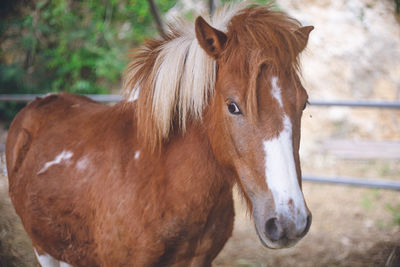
(282, 243)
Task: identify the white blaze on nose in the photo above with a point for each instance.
(280, 169)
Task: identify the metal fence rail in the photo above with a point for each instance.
(353, 181)
(23, 98)
(357, 104)
(326, 103)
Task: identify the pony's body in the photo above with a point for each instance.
(171, 218)
(148, 182)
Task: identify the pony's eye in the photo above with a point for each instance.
(305, 105)
(233, 108)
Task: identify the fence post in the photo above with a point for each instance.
(211, 6)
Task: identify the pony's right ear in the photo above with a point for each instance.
(302, 35)
(211, 40)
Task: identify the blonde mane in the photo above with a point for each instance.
(172, 77)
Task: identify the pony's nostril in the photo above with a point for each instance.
(272, 230)
(309, 219)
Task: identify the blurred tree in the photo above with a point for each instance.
(69, 45)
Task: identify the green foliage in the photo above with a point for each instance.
(75, 46)
(263, 2)
(369, 199)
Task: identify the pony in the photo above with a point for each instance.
(148, 181)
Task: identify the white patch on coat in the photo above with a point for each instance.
(276, 91)
(46, 260)
(137, 154)
(63, 156)
(82, 163)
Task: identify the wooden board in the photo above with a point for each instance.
(363, 149)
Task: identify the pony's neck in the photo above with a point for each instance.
(192, 168)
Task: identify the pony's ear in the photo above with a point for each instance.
(302, 36)
(210, 39)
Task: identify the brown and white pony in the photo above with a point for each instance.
(148, 181)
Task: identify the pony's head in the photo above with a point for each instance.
(240, 77)
(256, 114)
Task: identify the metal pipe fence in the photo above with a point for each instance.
(327, 103)
(357, 103)
(23, 98)
(351, 181)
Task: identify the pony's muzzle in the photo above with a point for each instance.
(285, 233)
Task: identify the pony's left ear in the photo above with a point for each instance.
(210, 39)
(302, 35)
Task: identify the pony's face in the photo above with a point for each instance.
(256, 114)
(265, 151)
